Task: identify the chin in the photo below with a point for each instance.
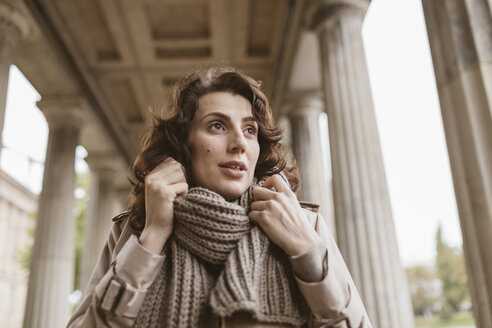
(230, 190)
(230, 193)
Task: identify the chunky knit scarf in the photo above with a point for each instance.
(218, 261)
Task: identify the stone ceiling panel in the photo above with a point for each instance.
(128, 52)
(118, 28)
(264, 27)
(180, 30)
(89, 27)
(123, 98)
(221, 32)
(139, 31)
(172, 21)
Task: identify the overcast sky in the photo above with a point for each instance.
(410, 126)
(409, 121)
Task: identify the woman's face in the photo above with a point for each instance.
(224, 145)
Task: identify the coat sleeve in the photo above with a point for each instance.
(334, 301)
(119, 283)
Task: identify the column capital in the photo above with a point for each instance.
(319, 13)
(13, 21)
(309, 104)
(106, 164)
(66, 110)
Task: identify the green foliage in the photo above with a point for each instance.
(82, 181)
(446, 313)
(24, 255)
(423, 285)
(462, 319)
(451, 270)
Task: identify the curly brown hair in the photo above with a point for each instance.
(168, 136)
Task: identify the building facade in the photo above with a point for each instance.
(17, 210)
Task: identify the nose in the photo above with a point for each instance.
(237, 142)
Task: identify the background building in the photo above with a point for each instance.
(17, 208)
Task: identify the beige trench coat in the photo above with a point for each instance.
(125, 270)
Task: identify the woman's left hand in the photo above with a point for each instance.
(281, 217)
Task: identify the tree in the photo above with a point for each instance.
(24, 255)
(81, 200)
(451, 270)
(424, 288)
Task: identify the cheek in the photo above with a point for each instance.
(256, 153)
(203, 150)
(206, 148)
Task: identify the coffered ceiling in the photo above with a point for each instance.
(123, 55)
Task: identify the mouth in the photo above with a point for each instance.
(234, 165)
(233, 169)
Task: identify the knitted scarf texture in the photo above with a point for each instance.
(218, 261)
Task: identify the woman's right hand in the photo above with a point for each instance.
(162, 185)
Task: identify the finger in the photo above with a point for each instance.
(167, 163)
(178, 175)
(177, 164)
(276, 182)
(260, 205)
(178, 169)
(164, 163)
(165, 178)
(178, 189)
(170, 172)
(258, 216)
(261, 193)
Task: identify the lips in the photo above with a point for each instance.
(235, 165)
(234, 169)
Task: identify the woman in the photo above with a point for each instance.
(214, 235)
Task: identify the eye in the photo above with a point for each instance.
(216, 126)
(251, 129)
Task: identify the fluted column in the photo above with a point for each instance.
(364, 222)
(102, 208)
(304, 115)
(123, 197)
(460, 37)
(13, 25)
(52, 263)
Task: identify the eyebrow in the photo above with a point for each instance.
(227, 118)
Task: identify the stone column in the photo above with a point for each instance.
(460, 37)
(304, 115)
(102, 208)
(13, 26)
(363, 215)
(123, 197)
(52, 262)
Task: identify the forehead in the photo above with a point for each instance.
(226, 103)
